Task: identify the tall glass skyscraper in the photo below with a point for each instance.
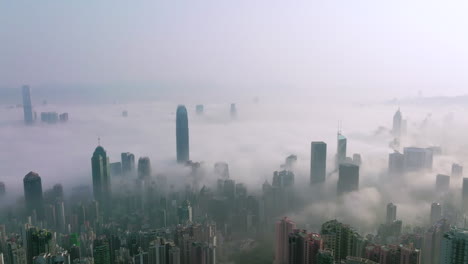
(182, 134)
(33, 194)
(27, 105)
(101, 178)
(318, 162)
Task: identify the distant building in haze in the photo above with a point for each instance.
(442, 183)
(436, 212)
(396, 164)
(391, 213)
(128, 162)
(33, 195)
(397, 124)
(282, 230)
(221, 170)
(318, 162)
(431, 248)
(184, 212)
(357, 159)
(182, 134)
(417, 159)
(116, 169)
(101, 178)
(465, 194)
(144, 168)
(49, 117)
(63, 117)
(348, 178)
(199, 109)
(2, 189)
(233, 111)
(457, 170)
(27, 105)
(341, 149)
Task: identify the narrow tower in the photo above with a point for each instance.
(182, 134)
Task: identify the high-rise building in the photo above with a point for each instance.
(304, 247)
(357, 160)
(27, 105)
(2, 189)
(442, 183)
(38, 241)
(341, 149)
(391, 213)
(101, 251)
(233, 111)
(465, 194)
(457, 170)
(144, 168)
(128, 162)
(182, 135)
(184, 213)
(283, 178)
(396, 129)
(454, 247)
(101, 178)
(115, 169)
(325, 257)
(396, 164)
(432, 243)
(348, 180)
(33, 195)
(436, 212)
(221, 170)
(417, 159)
(199, 109)
(282, 230)
(341, 239)
(318, 162)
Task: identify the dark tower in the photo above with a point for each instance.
(318, 162)
(182, 134)
(101, 178)
(144, 168)
(348, 178)
(33, 194)
(128, 162)
(341, 149)
(27, 106)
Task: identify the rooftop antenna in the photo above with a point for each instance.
(99, 141)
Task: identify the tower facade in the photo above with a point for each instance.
(391, 213)
(454, 247)
(144, 168)
(396, 130)
(101, 178)
(341, 149)
(318, 162)
(33, 194)
(128, 162)
(348, 180)
(182, 134)
(27, 105)
(282, 230)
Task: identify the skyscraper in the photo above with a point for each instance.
(348, 180)
(442, 183)
(457, 170)
(396, 164)
(27, 105)
(101, 251)
(465, 194)
(436, 212)
(128, 162)
(144, 168)
(182, 134)
(37, 241)
(341, 239)
(33, 194)
(101, 178)
(318, 162)
(391, 213)
(417, 158)
(454, 248)
(282, 230)
(2, 189)
(396, 130)
(341, 149)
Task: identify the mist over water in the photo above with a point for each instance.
(254, 145)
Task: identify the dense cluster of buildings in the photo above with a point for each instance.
(133, 215)
(30, 115)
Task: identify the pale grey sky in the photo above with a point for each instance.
(371, 48)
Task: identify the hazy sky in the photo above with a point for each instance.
(370, 48)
